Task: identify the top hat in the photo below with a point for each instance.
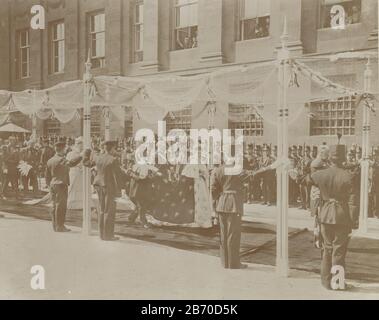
(338, 152)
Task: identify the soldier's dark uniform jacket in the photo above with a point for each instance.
(108, 183)
(339, 212)
(227, 193)
(58, 179)
(339, 199)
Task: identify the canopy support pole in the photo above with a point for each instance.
(107, 116)
(87, 77)
(365, 164)
(282, 268)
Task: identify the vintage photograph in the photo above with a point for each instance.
(189, 150)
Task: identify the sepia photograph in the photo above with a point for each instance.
(208, 151)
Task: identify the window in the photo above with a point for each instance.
(129, 122)
(186, 12)
(179, 120)
(352, 11)
(52, 127)
(96, 115)
(332, 117)
(245, 117)
(57, 48)
(138, 31)
(23, 52)
(97, 39)
(254, 19)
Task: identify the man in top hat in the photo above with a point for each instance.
(108, 183)
(339, 212)
(58, 179)
(46, 154)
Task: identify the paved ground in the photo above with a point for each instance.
(78, 267)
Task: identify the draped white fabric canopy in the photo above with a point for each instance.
(154, 98)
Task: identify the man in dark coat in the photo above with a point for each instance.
(339, 212)
(228, 198)
(58, 179)
(11, 173)
(46, 154)
(108, 183)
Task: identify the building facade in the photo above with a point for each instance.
(149, 38)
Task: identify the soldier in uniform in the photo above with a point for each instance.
(58, 179)
(47, 153)
(227, 195)
(304, 178)
(108, 183)
(268, 177)
(339, 212)
(11, 173)
(31, 157)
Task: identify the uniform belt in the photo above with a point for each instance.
(230, 192)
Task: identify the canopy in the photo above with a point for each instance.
(12, 128)
(154, 98)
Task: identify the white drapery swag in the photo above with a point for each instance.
(154, 98)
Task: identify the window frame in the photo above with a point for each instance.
(52, 43)
(192, 28)
(20, 48)
(243, 18)
(180, 119)
(322, 12)
(90, 34)
(329, 111)
(251, 121)
(138, 29)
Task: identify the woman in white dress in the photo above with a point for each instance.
(75, 191)
(203, 211)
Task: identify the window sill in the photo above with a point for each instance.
(184, 50)
(254, 40)
(56, 74)
(347, 27)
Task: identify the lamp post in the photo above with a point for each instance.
(282, 173)
(365, 163)
(87, 78)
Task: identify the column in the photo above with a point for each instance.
(150, 37)
(210, 32)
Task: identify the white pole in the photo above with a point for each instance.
(365, 164)
(107, 124)
(282, 265)
(87, 145)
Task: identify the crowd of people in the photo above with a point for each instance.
(261, 186)
(324, 180)
(23, 165)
